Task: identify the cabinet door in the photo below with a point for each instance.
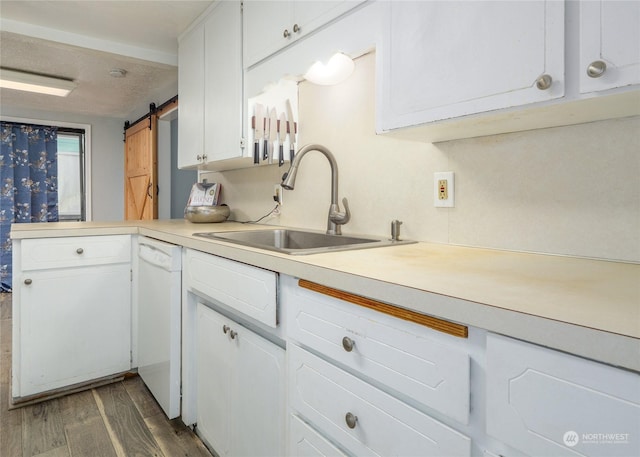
(223, 83)
(264, 25)
(190, 91)
(545, 402)
(259, 400)
(442, 60)
(241, 388)
(271, 25)
(609, 34)
(75, 326)
(311, 15)
(214, 373)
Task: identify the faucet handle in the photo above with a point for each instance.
(347, 212)
(338, 217)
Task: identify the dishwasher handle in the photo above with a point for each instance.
(158, 258)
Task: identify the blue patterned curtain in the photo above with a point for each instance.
(29, 183)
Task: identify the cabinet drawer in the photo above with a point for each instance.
(46, 253)
(247, 289)
(402, 355)
(304, 441)
(545, 402)
(383, 424)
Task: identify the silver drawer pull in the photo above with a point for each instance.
(79, 250)
(28, 282)
(351, 420)
(596, 69)
(544, 82)
(225, 329)
(348, 343)
(233, 334)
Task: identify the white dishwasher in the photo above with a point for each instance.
(159, 302)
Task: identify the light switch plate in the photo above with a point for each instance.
(443, 189)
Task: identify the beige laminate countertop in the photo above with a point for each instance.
(581, 306)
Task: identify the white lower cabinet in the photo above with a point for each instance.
(72, 311)
(402, 355)
(363, 382)
(545, 402)
(240, 388)
(363, 419)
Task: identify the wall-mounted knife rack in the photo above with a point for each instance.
(295, 125)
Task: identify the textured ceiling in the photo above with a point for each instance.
(141, 24)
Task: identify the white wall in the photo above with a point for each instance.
(107, 158)
(567, 190)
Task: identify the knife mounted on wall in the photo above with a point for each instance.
(292, 131)
(282, 135)
(273, 132)
(258, 132)
(265, 149)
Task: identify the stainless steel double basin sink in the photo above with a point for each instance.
(299, 242)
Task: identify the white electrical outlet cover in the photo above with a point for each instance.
(450, 201)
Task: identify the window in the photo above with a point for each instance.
(71, 175)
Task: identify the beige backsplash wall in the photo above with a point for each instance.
(569, 190)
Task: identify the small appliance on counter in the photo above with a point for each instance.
(202, 205)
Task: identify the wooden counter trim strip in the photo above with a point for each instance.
(461, 331)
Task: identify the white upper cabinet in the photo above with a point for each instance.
(609, 44)
(463, 69)
(210, 87)
(271, 25)
(223, 133)
(442, 60)
(191, 105)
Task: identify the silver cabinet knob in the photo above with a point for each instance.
(351, 420)
(286, 33)
(544, 82)
(79, 250)
(233, 334)
(296, 28)
(596, 69)
(28, 281)
(348, 343)
(225, 329)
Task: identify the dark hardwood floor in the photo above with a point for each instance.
(117, 420)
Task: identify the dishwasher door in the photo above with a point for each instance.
(159, 302)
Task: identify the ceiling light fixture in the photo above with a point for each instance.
(338, 69)
(29, 82)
